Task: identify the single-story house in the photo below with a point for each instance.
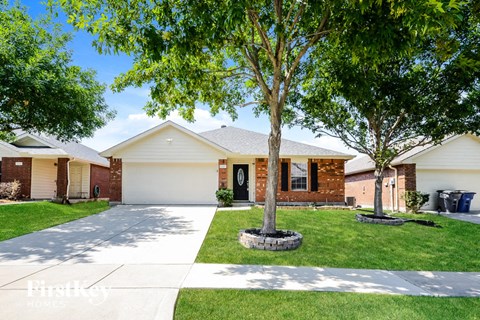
(48, 168)
(170, 164)
(452, 165)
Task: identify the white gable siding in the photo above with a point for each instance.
(44, 176)
(462, 153)
(29, 142)
(169, 145)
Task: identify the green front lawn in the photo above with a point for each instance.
(336, 239)
(20, 219)
(248, 304)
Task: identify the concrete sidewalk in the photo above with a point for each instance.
(416, 283)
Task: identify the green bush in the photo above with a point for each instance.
(414, 200)
(225, 197)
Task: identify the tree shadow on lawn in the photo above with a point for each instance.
(122, 226)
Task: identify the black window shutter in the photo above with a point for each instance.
(284, 176)
(313, 176)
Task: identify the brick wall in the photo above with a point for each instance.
(222, 174)
(100, 176)
(362, 185)
(115, 179)
(62, 180)
(261, 169)
(331, 182)
(23, 173)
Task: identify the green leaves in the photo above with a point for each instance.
(39, 89)
(386, 106)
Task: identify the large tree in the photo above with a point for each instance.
(385, 109)
(234, 53)
(39, 88)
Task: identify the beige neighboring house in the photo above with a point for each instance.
(170, 164)
(452, 165)
(48, 168)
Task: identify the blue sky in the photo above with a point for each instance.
(131, 119)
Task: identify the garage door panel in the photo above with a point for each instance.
(432, 180)
(146, 183)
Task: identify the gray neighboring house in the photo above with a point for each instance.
(48, 168)
(171, 164)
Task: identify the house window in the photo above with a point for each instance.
(299, 176)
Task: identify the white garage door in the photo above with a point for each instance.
(432, 180)
(145, 183)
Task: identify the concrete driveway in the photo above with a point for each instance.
(125, 263)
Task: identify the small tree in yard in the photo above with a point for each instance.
(39, 90)
(414, 200)
(387, 108)
(228, 54)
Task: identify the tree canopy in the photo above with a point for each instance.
(388, 108)
(39, 88)
(236, 53)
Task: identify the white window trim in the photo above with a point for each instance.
(292, 176)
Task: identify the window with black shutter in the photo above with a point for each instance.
(284, 179)
(314, 176)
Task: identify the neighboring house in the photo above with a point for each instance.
(169, 164)
(47, 168)
(453, 165)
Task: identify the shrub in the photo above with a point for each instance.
(10, 190)
(414, 200)
(225, 197)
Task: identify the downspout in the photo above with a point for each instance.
(396, 187)
(68, 177)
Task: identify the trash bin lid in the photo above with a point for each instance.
(453, 191)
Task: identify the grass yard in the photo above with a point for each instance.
(336, 239)
(20, 219)
(247, 304)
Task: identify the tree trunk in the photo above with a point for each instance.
(377, 203)
(274, 140)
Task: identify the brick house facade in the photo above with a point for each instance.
(47, 168)
(362, 186)
(170, 164)
(452, 164)
(325, 181)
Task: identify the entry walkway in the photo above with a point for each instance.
(416, 283)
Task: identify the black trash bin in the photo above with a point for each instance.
(465, 201)
(451, 198)
(441, 201)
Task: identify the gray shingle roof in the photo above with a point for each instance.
(364, 163)
(71, 149)
(77, 150)
(247, 142)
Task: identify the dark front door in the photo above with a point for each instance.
(240, 182)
